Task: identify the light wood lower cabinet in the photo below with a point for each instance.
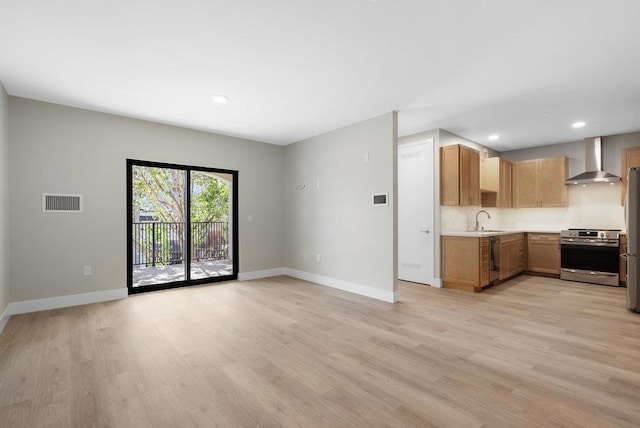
(511, 255)
(623, 261)
(465, 262)
(544, 253)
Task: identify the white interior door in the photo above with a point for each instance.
(415, 212)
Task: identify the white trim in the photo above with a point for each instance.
(257, 274)
(4, 319)
(27, 306)
(351, 287)
(436, 282)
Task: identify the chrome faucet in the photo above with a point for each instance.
(477, 214)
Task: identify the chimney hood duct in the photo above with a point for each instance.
(593, 165)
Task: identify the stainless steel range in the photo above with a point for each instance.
(589, 255)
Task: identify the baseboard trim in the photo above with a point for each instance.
(351, 287)
(4, 319)
(257, 274)
(36, 305)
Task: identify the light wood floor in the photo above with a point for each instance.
(282, 352)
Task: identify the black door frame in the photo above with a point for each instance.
(234, 227)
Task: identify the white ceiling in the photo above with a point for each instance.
(297, 68)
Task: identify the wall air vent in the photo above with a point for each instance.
(61, 203)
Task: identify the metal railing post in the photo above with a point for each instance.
(153, 244)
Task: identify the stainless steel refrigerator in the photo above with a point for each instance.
(632, 219)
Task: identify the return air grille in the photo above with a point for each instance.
(59, 203)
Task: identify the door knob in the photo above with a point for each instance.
(425, 231)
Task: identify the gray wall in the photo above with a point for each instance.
(61, 149)
(356, 241)
(612, 147)
(4, 201)
(575, 152)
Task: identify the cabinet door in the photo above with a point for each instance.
(453, 250)
(474, 178)
(484, 261)
(490, 174)
(623, 261)
(544, 253)
(520, 253)
(450, 175)
(525, 181)
(508, 261)
(630, 159)
(465, 191)
(504, 191)
(553, 191)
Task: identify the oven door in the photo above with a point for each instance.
(597, 264)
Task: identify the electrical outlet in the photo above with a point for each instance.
(317, 257)
(87, 270)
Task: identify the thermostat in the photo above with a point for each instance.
(380, 199)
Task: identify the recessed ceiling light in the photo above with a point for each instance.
(578, 124)
(494, 137)
(221, 99)
(545, 114)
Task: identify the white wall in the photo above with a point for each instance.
(447, 138)
(61, 149)
(355, 240)
(4, 203)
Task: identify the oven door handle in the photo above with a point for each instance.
(590, 244)
(583, 272)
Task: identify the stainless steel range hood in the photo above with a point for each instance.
(593, 165)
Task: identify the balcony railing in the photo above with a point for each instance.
(161, 243)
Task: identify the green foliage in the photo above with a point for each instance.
(160, 191)
(210, 199)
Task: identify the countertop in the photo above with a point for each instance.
(482, 234)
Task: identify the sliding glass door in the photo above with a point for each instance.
(169, 206)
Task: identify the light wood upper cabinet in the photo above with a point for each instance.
(553, 173)
(544, 252)
(630, 159)
(495, 183)
(540, 183)
(505, 192)
(459, 176)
